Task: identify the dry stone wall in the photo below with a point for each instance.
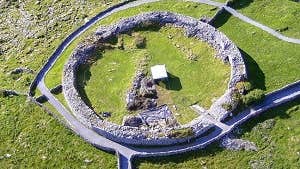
(226, 51)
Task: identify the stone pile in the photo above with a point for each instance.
(142, 95)
(237, 144)
(159, 117)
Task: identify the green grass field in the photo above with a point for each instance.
(35, 140)
(277, 14)
(110, 78)
(271, 63)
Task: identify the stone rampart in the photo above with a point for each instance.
(226, 51)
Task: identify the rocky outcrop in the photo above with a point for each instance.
(132, 121)
(8, 93)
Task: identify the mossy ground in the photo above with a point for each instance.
(272, 64)
(31, 31)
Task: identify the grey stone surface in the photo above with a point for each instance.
(132, 121)
(237, 144)
(142, 94)
(159, 117)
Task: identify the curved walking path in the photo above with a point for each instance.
(261, 26)
(125, 153)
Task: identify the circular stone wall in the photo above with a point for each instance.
(226, 51)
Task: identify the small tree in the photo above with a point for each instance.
(236, 97)
(253, 96)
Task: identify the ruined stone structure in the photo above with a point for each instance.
(226, 52)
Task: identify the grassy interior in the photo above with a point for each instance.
(109, 79)
(196, 10)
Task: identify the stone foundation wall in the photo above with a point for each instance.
(226, 51)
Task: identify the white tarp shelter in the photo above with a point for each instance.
(159, 72)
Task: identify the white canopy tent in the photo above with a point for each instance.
(159, 72)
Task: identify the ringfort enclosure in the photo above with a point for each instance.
(150, 84)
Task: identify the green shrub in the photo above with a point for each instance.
(243, 87)
(181, 133)
(253, 96)
(236, 97)
(140, 41)
(227, 106)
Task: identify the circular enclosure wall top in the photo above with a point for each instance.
(226, 51)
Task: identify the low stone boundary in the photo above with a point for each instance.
(226, 51)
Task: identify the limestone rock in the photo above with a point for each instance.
(238, 144)
(132, 121)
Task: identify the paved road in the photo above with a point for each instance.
(123, 162)
(127, 152)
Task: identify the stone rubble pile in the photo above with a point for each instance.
(226, 51)
(237, 144)
(159, 117)
(143, 93)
